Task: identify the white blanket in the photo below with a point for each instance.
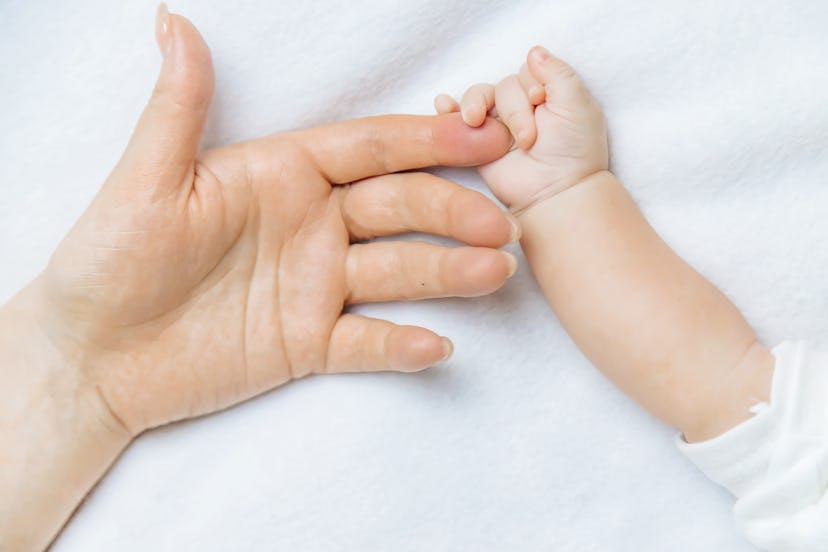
(718, 123)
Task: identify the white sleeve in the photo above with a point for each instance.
(776, 463)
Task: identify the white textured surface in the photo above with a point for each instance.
(718, 123)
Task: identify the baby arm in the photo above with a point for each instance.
(657, 328)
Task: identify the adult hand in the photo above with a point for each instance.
(196, 281)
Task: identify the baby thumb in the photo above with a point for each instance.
(559, 79)
(166, 139)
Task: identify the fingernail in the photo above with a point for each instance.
(516, 232)
(513, 264)
(162, 29)
(521, 137)
(541, 53)
(535, 90)
(448, 349)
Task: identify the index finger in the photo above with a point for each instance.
(360, 148)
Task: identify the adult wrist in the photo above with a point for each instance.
(57, 438)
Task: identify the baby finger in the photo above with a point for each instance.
(534, 90)
(476, 102)
(516, 112)
(444, 103)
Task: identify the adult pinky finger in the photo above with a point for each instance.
(361, 344)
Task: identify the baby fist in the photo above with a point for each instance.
(557, 125)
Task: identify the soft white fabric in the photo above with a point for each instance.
(776, 463)
(718, 125)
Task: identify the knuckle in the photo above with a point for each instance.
(290, 155)
(377, 149)
(175, 100)
(395, 261)
(513, 118)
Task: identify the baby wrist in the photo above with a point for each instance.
(552, 191)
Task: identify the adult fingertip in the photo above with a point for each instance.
(162, 28)
(512, 263)
(419, 349)
(459, 144)
(476, 271)
(186, 78)
(168, 133)
(478, 221)
(490, 140)
(448, 349)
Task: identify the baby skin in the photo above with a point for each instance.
(652, 324)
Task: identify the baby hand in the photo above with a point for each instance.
(556, 123)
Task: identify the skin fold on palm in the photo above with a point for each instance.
(195, 281)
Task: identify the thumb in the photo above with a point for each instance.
(162, 149)
(560, 80)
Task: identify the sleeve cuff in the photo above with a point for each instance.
(739, 458)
